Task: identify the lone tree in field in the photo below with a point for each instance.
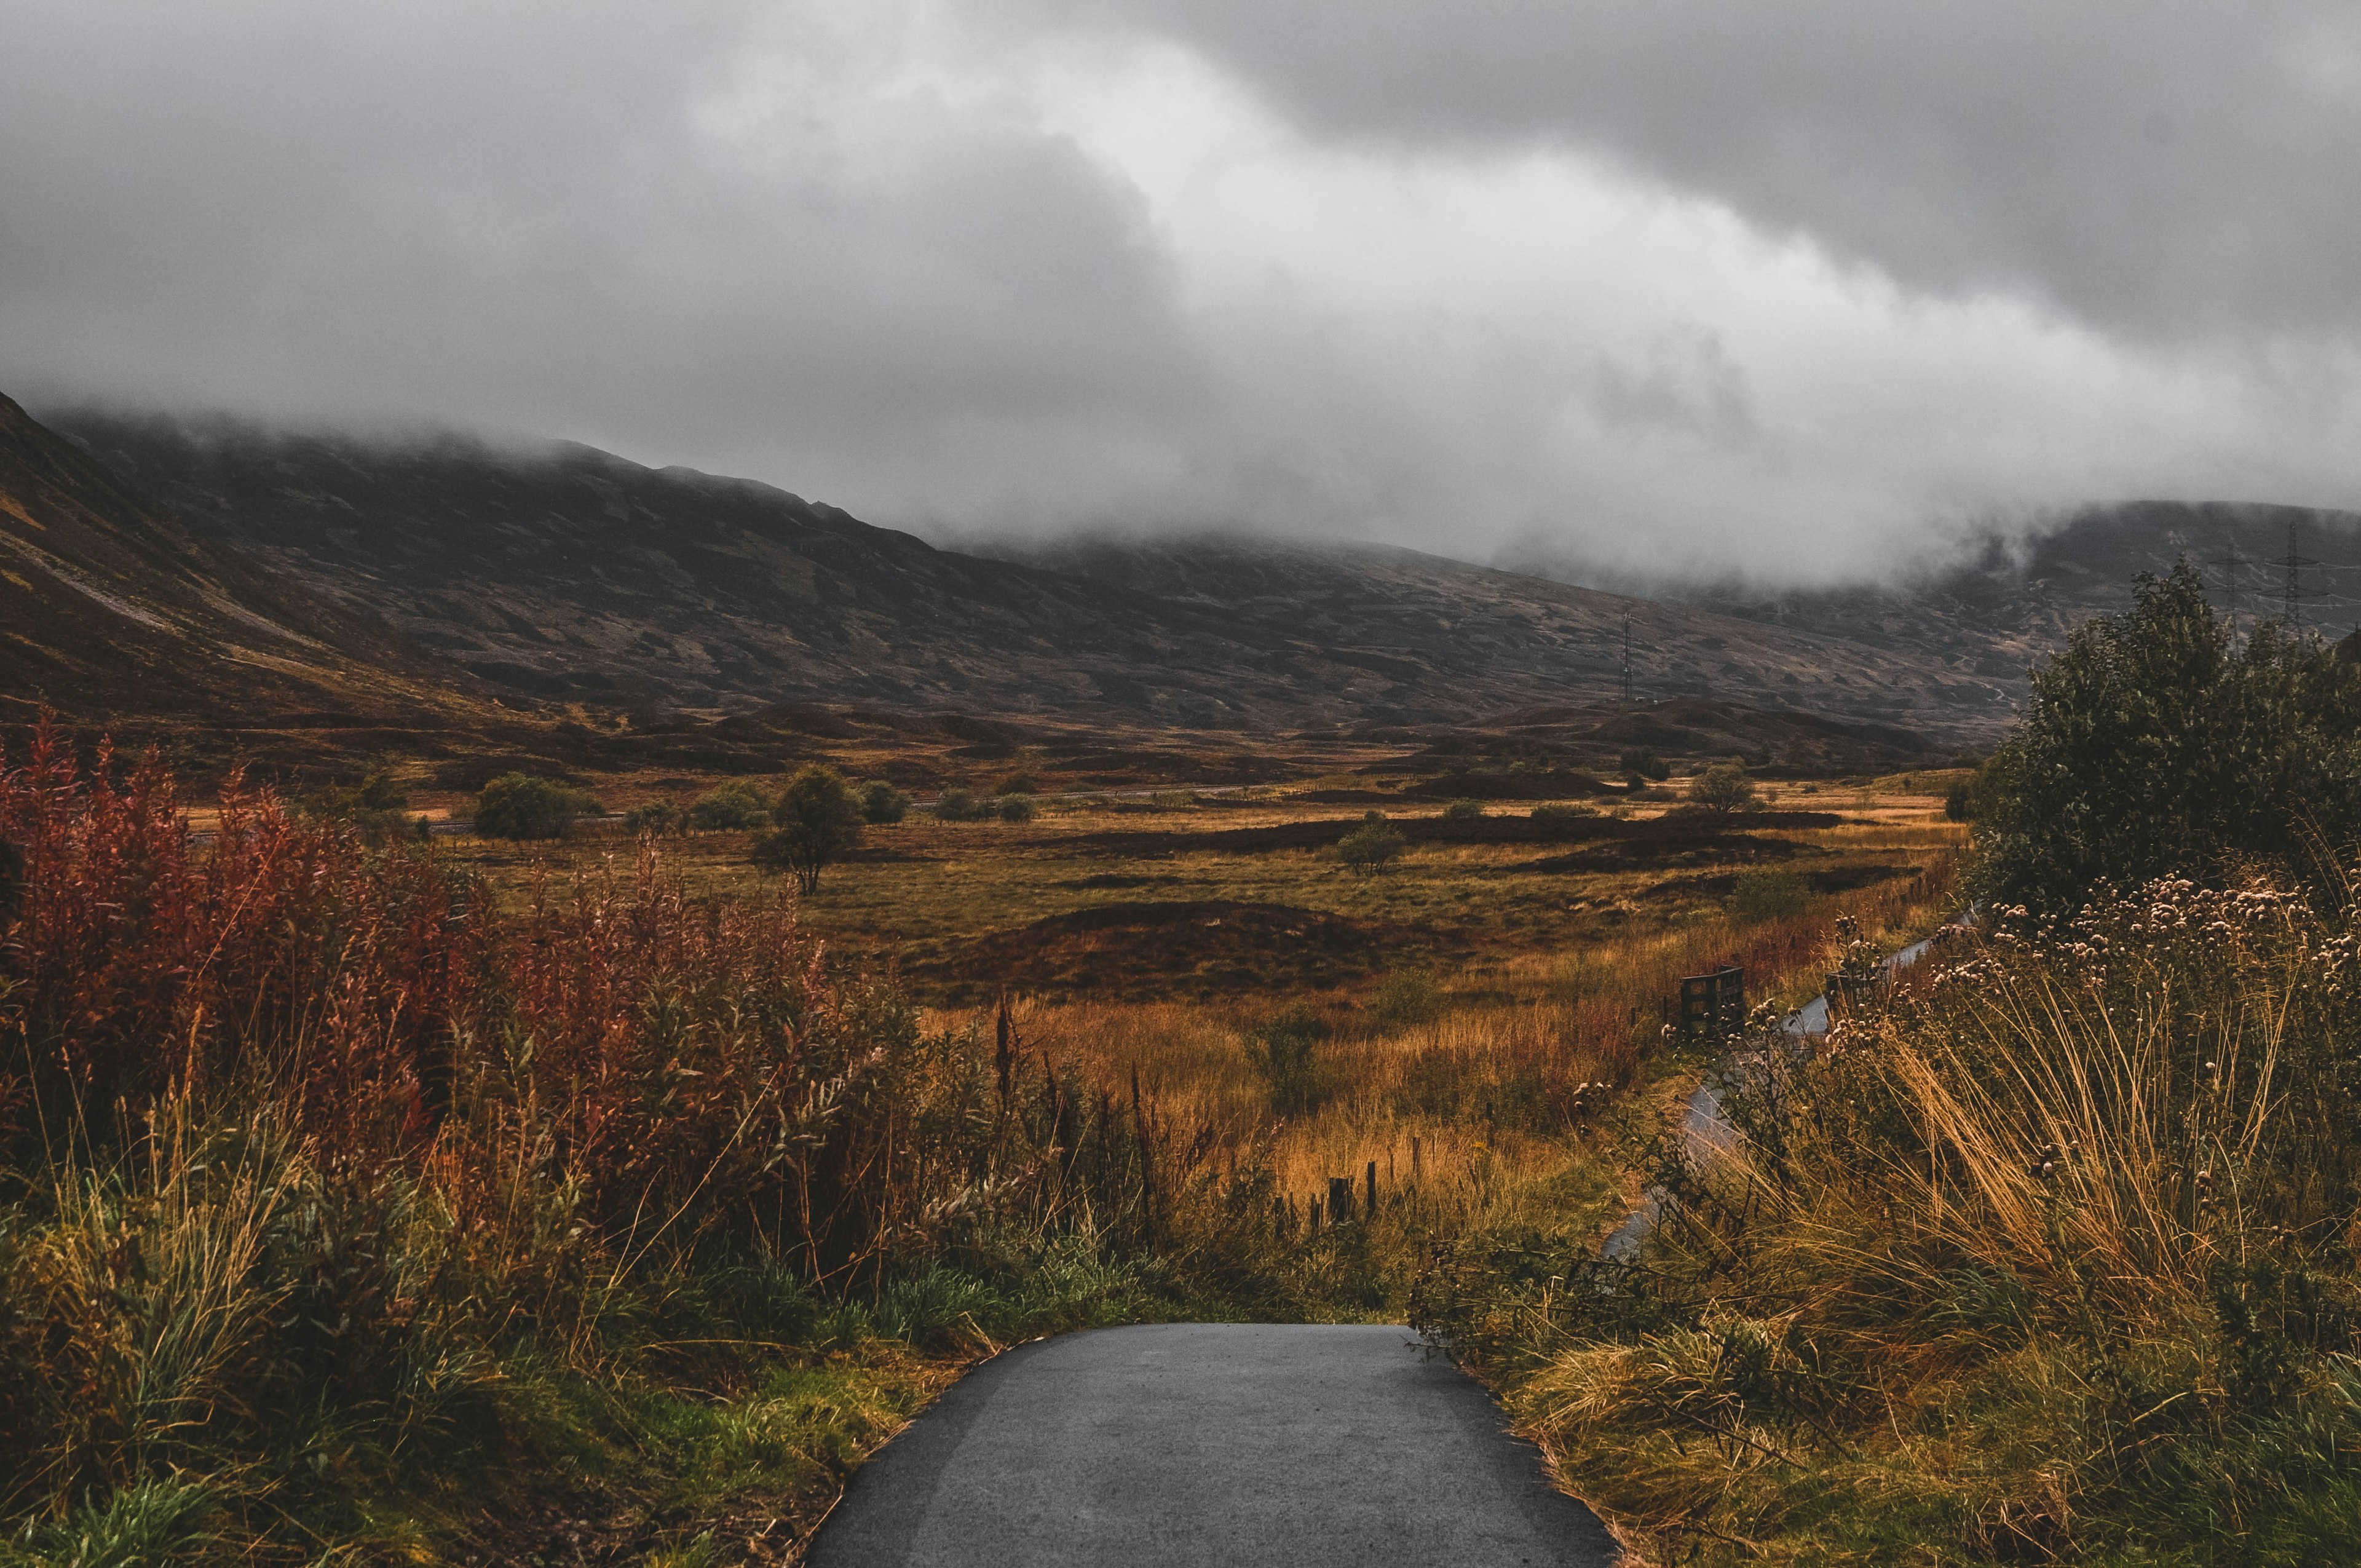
(2153, 745)
(1372, 847)
(1723, 787)
(820, 818)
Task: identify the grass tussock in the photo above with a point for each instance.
(2050, 1258)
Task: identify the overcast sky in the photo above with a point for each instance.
(1793, 286)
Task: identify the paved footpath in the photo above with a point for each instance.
(1210, 1446)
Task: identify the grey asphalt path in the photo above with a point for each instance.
(1210, 1445)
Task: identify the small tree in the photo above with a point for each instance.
(1723, 787)
(1372, 847)
(882, 805)
(1016, 809)
(957, 805)
(519, 806)
(1464, 811)
(818, 820)
(733, 806)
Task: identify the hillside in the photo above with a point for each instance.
(2011, 601)
(566, 573)
(111, 610)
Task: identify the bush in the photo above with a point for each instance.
(1019, 783)
(375, 807)
(1282, 1053)
(519, 807)
(1723, 787)
(1016, 809)
(1959, 801)
(1562, 811)
(656, 819)
(1173, 799)
(957, 805)
(1771, 893)
(1641, 762)
(2152, 746)
(882, 805)
(731, 807)
(1464, 811)
(819, 822)
(1407, 996)
(1372, 847)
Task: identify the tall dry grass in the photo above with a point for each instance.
(313, 1164)
(2053, 1258)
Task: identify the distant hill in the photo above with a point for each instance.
(560, 572)
(110, 607)
(2013, 601)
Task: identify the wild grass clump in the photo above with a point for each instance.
(2051, 1258)
(329, 1184)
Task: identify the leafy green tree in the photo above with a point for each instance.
(882, 805)
(1372, 847)
(819, 819)
(1723, 787)
(2153, 745)
(957, 805)
(520, 806)
(733, 806)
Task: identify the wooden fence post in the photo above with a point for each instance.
(1372, 1189)
(1340, 1199)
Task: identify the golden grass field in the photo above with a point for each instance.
(1549, 983)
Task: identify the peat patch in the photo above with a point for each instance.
(1148, 952)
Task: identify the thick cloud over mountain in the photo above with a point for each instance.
(1648, 284)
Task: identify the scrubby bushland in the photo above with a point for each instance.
(2156, 745)
(337, 1201)
(1641, 765)
(2050, 1258)
(377, 808)
(882, 805)
(657, 819)
(519, 806)
(731, 807)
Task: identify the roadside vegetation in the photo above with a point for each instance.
(372, 1195)
(2049, 1252)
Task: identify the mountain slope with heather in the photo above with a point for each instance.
(111, 610)
(563, 572)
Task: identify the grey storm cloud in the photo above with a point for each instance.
(1780, 286)
(2168, 167)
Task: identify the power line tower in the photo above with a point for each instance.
(2230, 560)
(2294, 591)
